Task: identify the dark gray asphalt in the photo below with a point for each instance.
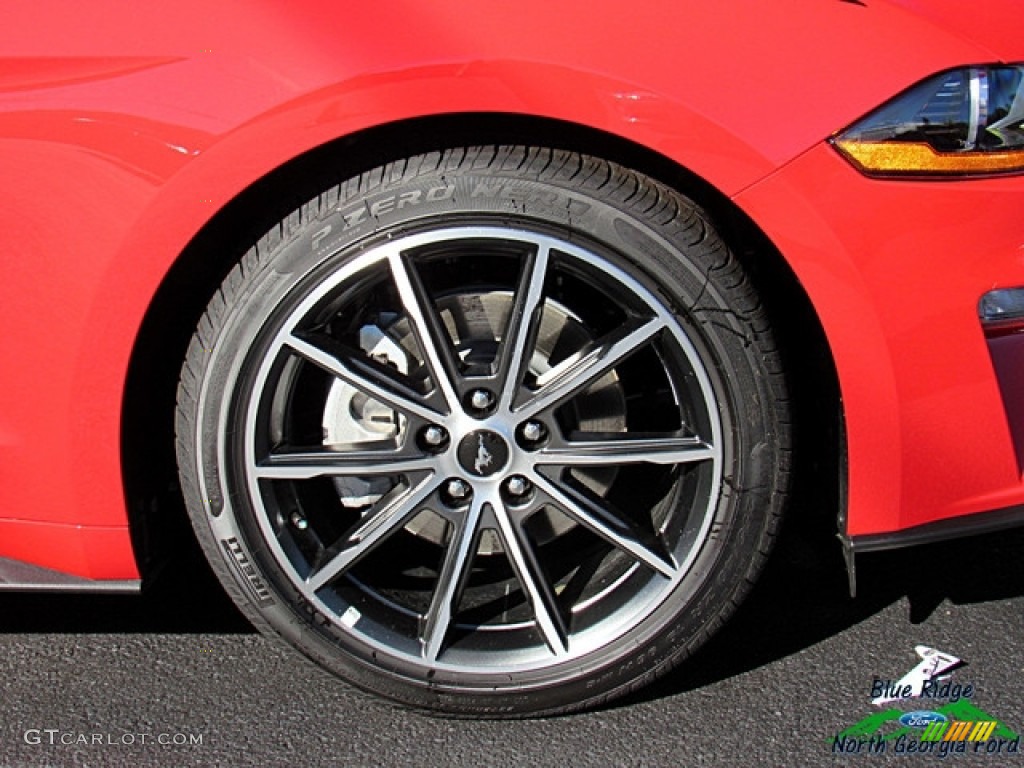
(792, 669)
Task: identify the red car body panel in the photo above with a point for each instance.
(124, 130)
(927, 434)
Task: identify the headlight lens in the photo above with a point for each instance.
(963, 122)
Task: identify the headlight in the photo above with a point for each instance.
(964, 122)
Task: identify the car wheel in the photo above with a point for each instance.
(493, 432)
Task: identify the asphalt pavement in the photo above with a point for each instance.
(176, 677)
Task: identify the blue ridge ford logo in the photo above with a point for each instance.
(922, 718)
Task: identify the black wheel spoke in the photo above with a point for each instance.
(432, 338)
(518, 343)
(451, 580)
(303, 465)
(616, 529)
(378, 525)
(361, 374)
(628, 449)
(531, 576)
(574, 374)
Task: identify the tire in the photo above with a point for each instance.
(491, 432)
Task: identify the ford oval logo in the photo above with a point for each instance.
(921, 718)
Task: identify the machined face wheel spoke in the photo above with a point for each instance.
(615, 529)
(303, 465)
(329, 357)
(573, 374)
(376, 527)
(627, 450)
(517, 345)
(455, 571)
(426, 327)
(531, 576)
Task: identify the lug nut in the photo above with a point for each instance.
(434, 435)
(458, 489)
(299, 521)
(481, 399)
(533, 431)
(517, 485)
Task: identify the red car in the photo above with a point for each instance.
(484, 343)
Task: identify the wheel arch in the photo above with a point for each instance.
(157, 520)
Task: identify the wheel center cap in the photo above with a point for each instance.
(482, 453)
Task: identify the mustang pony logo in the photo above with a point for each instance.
(484, 458)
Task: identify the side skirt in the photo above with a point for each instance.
(941, 530)
(16, 576)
